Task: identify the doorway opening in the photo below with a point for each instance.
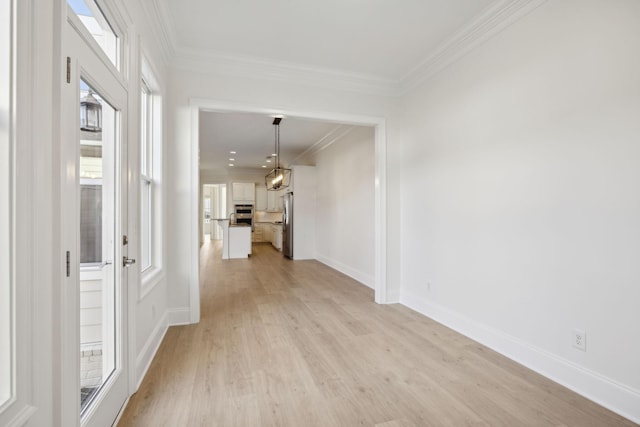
(214, 207)
(379, 209)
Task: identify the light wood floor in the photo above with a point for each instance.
(284, 343)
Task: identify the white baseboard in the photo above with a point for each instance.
(393, 297)
(179, 316)
(171, 317)
(606, 392)
(145, 357)
(357, 275)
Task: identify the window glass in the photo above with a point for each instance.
(91, 190)
(96, 23)
(146, 217)
(149, 138)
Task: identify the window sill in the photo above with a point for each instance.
(150, 279)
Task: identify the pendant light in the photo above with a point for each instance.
(279, 177)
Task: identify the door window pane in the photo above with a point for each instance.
(98, 137)
(98, 26)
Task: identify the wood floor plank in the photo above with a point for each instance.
(295, 343)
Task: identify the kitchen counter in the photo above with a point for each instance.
(236, 239)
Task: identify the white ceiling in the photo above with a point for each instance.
(252, 137)
(382, 38)
(387, 42)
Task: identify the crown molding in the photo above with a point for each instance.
(259, 68)
(326, 141)
(498, 16)
(162, 28)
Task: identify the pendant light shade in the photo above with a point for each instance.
(279, 177)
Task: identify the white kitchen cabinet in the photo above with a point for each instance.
(267, 233)
(236, 240)
(276, 236)
(243, 192)
(258, 233)
(262, 198)
(274, 201)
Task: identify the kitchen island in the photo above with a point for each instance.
(236, 239)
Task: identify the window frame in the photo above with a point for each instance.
(7, 161)
(104, 19)
(150, 165)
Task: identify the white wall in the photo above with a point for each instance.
(345, 204)
(521, 195)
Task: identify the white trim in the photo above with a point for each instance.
(7, 204)
(171, 317)
(495, 18)
(325, 142)
(155, 272)
(380, 214)
(379, 123)
(22, 417)
(29, 299)
(604, 391)
(296, 74)
(359, 276)
(194, 247)
(498, 16)
(178, 316)
(118, 69)
(150, 349)
(163, 31)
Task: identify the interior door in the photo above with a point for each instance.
(94, 221)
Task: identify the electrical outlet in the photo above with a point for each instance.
(579, 339)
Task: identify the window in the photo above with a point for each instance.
(150, 178)
(6, 300)
(146, 174)
(94, 20)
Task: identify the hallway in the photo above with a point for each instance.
(284, 343)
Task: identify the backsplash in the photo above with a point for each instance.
(263, 216)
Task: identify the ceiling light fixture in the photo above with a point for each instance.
(279, 177)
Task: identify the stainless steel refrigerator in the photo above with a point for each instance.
(287, 226)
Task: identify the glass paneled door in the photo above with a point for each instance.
(94, 194)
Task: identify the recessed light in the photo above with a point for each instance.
(232, 152)
(232, 159)
(230, 164)
(268, 161)
(274, 155)
(264, 166)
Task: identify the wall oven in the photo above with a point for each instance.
(244, 214)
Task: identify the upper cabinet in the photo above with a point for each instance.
(274, 201)
(262, 198)
(243, 192)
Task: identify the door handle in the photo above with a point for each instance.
(127, 262)
(104, 264)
